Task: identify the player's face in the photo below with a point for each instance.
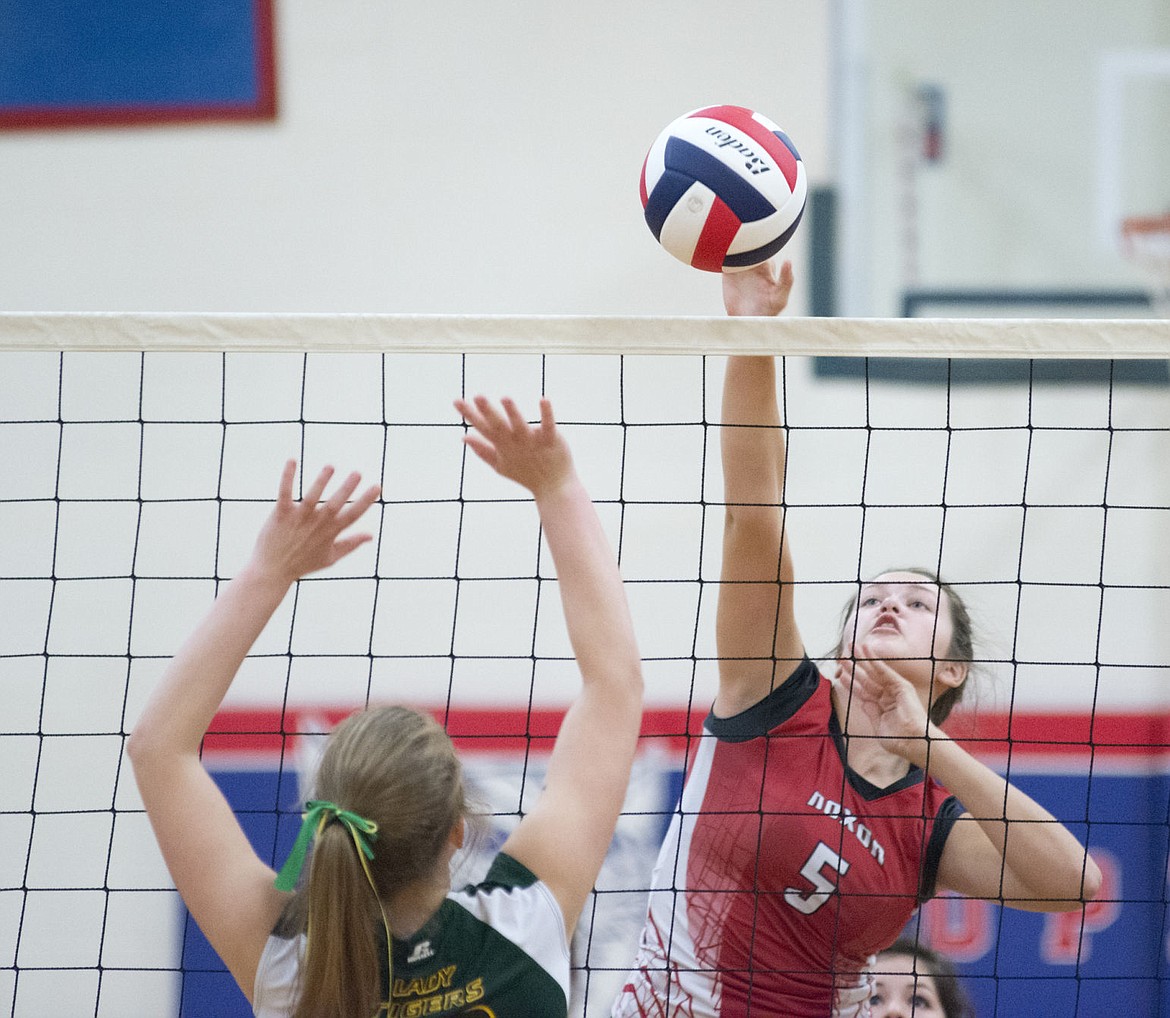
(898, 993)
(902, 615)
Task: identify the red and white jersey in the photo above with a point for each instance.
(783, 872)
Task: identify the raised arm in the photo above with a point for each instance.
(565, 838)
(1006, 847)
(222, 881)
(755, 620)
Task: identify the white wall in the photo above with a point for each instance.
(439, 156)
(1013, 202)
(483, 158)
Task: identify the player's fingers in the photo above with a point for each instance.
(358, 506)
(481, 447)
(477, 412)
(344, 545)
(285, 496)
(313, 495)
(342, 492)
(467, 411)
(864, 650)
(490, 419)
(516, 419)
(548, 422)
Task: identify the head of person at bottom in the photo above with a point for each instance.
(398, 769)
(919, 623)
(912, 981)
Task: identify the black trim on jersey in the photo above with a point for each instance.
(948, 813)
(779, 706)
(774, 709)
(505, 872)
(861, 785)
(291, 922)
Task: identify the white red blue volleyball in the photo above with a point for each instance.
(723, 188)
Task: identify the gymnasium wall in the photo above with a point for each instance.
(481, 159)
(1012, 201)
(439, 156)
(442, 157)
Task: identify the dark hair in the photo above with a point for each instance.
(924, 961)
(962, 648)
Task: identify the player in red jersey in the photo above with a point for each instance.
(818, 812)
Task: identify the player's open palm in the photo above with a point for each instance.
(301, 537)
(762, 290)
(535, 456)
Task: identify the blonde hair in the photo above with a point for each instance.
(397, 768)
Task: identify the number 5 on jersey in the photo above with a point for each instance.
(814, 872)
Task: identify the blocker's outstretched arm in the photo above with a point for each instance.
(565, 838)
(222, 881)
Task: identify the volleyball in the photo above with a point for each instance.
(723, 188)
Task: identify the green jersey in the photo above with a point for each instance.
(496, 949)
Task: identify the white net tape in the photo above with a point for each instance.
(568, 334)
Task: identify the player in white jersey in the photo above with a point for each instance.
(375, 927)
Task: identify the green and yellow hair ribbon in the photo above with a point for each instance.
(317, 814)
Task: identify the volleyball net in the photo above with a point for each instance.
(1027, 461)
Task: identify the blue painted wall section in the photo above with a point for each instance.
(110, 61)
(1014, 963)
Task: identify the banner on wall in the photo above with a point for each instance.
(1107, 776)
(119, 62)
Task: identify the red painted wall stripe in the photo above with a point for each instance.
(267, 731)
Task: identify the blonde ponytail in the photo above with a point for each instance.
(340, 975)
(391, 793)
